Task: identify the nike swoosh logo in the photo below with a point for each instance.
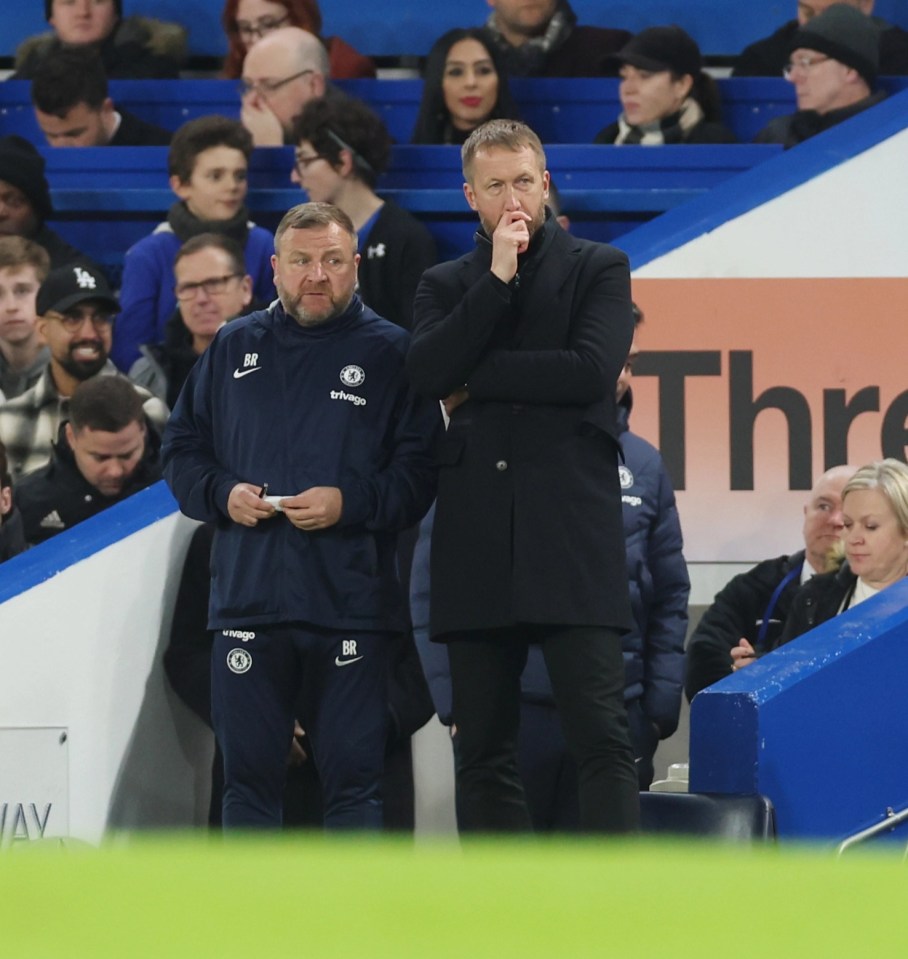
(345, 662)
(239, 374)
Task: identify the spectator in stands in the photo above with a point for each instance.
(281, 74)
(212, 287)
(187, 662)
(75, 315)
(104, 452)
(875, 551)
(833, 66)
(247, 21)
(72, 106)
(208, 164)
(464, 84)
(342, 150)
(23, 356)
(12, 535)
(25, 200)
(542, 39)
(653, 649)
(666, 97)
(135, 47)
(751, 609)
(770, 56)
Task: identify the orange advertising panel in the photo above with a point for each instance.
(752, 387)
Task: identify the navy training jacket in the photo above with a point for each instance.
(296, 407)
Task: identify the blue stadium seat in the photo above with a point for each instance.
(709, 816)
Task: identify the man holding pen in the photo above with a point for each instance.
(310, 394)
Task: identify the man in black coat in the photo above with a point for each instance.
(105, 452)
(524, 338)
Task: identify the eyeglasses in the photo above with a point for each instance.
(802, 63)
(251, 31)
(265, 87)
(72, 323)
(215, 286)
(303, 162)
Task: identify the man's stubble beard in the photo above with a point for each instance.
(293, 308)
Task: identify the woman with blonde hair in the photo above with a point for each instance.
(875, 545)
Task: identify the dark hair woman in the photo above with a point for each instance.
(464, 85)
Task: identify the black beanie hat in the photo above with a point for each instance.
(49, 3)
(23, 166)
(844, 34)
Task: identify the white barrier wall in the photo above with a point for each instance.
(81, 659)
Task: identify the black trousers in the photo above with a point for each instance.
(586, 669)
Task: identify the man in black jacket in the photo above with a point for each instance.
(768, 57)
(833, 67)
(750, 611)
(524, 339)
(73, 108)
(542, 39)
(105, 452)
(25, 200)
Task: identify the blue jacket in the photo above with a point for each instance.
(659, 587)
(332, 407)
(147, 300)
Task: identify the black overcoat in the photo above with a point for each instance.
(528, 525)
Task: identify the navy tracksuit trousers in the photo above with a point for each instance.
(257, 674)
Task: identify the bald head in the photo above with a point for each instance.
(283, 72)
(823, 516)
(291, 49)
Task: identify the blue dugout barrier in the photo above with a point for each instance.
(819, 726)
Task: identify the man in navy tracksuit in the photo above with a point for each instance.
(298, 435)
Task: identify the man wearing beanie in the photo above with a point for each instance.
(833, 66)
(25, 200)
(767, 57)
(130, 48)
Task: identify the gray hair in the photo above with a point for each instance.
(506, 134)
(308, 216)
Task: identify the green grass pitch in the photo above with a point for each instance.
(305, 896)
